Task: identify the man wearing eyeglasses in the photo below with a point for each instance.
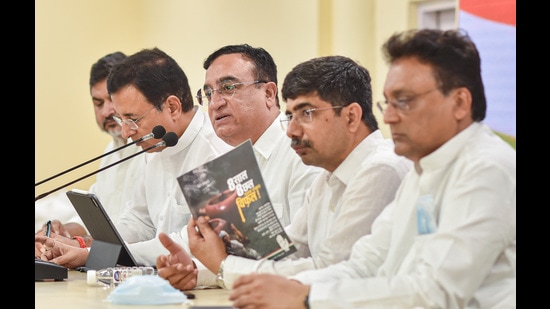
(241, 92)
(149, 89)
(448, 240)
(240, 89)
(330, 125)
(113, 185)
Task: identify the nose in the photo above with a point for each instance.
(126, 132)
(215, 104)
(108, 108)
(293, 129)
(390, 114)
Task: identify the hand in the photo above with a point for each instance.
(73, 229)
(60, 253)
(268, 291)
(59, 238)
(178, 267)
(205, 244)
(56, 227)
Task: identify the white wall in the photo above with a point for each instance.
(71, 35)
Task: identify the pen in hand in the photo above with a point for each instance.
(48, 228)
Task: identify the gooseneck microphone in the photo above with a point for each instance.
(169, 139)
(158, 132)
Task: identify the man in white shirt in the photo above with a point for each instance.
(448, 240)
(114, 185)
(331, 125)
(148, 89)
(241, 92)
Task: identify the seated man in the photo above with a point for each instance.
(448, 240)
(148, 89)
(332, 126)
(114, 185)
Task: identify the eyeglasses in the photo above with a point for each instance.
(305, 115)
(226, 91)
(401, 104)
(131, 123)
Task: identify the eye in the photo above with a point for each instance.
(208, 93)
(402, 102)
(97, 102)
(228, 88)
(289, 117)
(307, 112)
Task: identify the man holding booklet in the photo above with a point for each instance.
(331, 125)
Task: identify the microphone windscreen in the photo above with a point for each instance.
(170, 139)
(158, 132)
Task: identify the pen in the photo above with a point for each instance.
(48, 228)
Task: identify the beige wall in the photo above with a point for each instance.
(71, 35)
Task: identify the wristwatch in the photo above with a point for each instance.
(219, 276)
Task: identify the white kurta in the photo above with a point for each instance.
(158, 204)
(467, 191)
(285, 176)
(339, 209)
(113, 186)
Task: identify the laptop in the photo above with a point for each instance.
(108, 248)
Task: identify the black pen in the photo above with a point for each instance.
(48, 228)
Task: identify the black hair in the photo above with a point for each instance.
(155, 74)
(335, 79)
(452, 55)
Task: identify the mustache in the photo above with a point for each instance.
(298, 142)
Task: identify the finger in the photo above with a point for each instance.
(192, 230)
(173, 273)
(37, 251)
(161, 261)
(204, 228)
(40, 239)
(186, 277)
(169, 244)
(57, 226)
(242, 281)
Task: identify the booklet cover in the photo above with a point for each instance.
(230, 191)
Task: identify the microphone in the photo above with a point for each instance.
(169, 139)
(158, 132)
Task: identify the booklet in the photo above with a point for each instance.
(230, 192)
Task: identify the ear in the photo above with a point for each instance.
(271, 94)
(352, 115)
(463, 103)
(173, 104)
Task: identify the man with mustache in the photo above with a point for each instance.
(330, 121)
(113, 186)
(448, 239)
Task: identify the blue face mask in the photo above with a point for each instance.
(146, 290)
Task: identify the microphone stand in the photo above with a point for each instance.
(158, 132)
(95, 172)
(82, 164)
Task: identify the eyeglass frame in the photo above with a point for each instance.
(306, 113)
(401, 104)
(131, 123)
(201, 97)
